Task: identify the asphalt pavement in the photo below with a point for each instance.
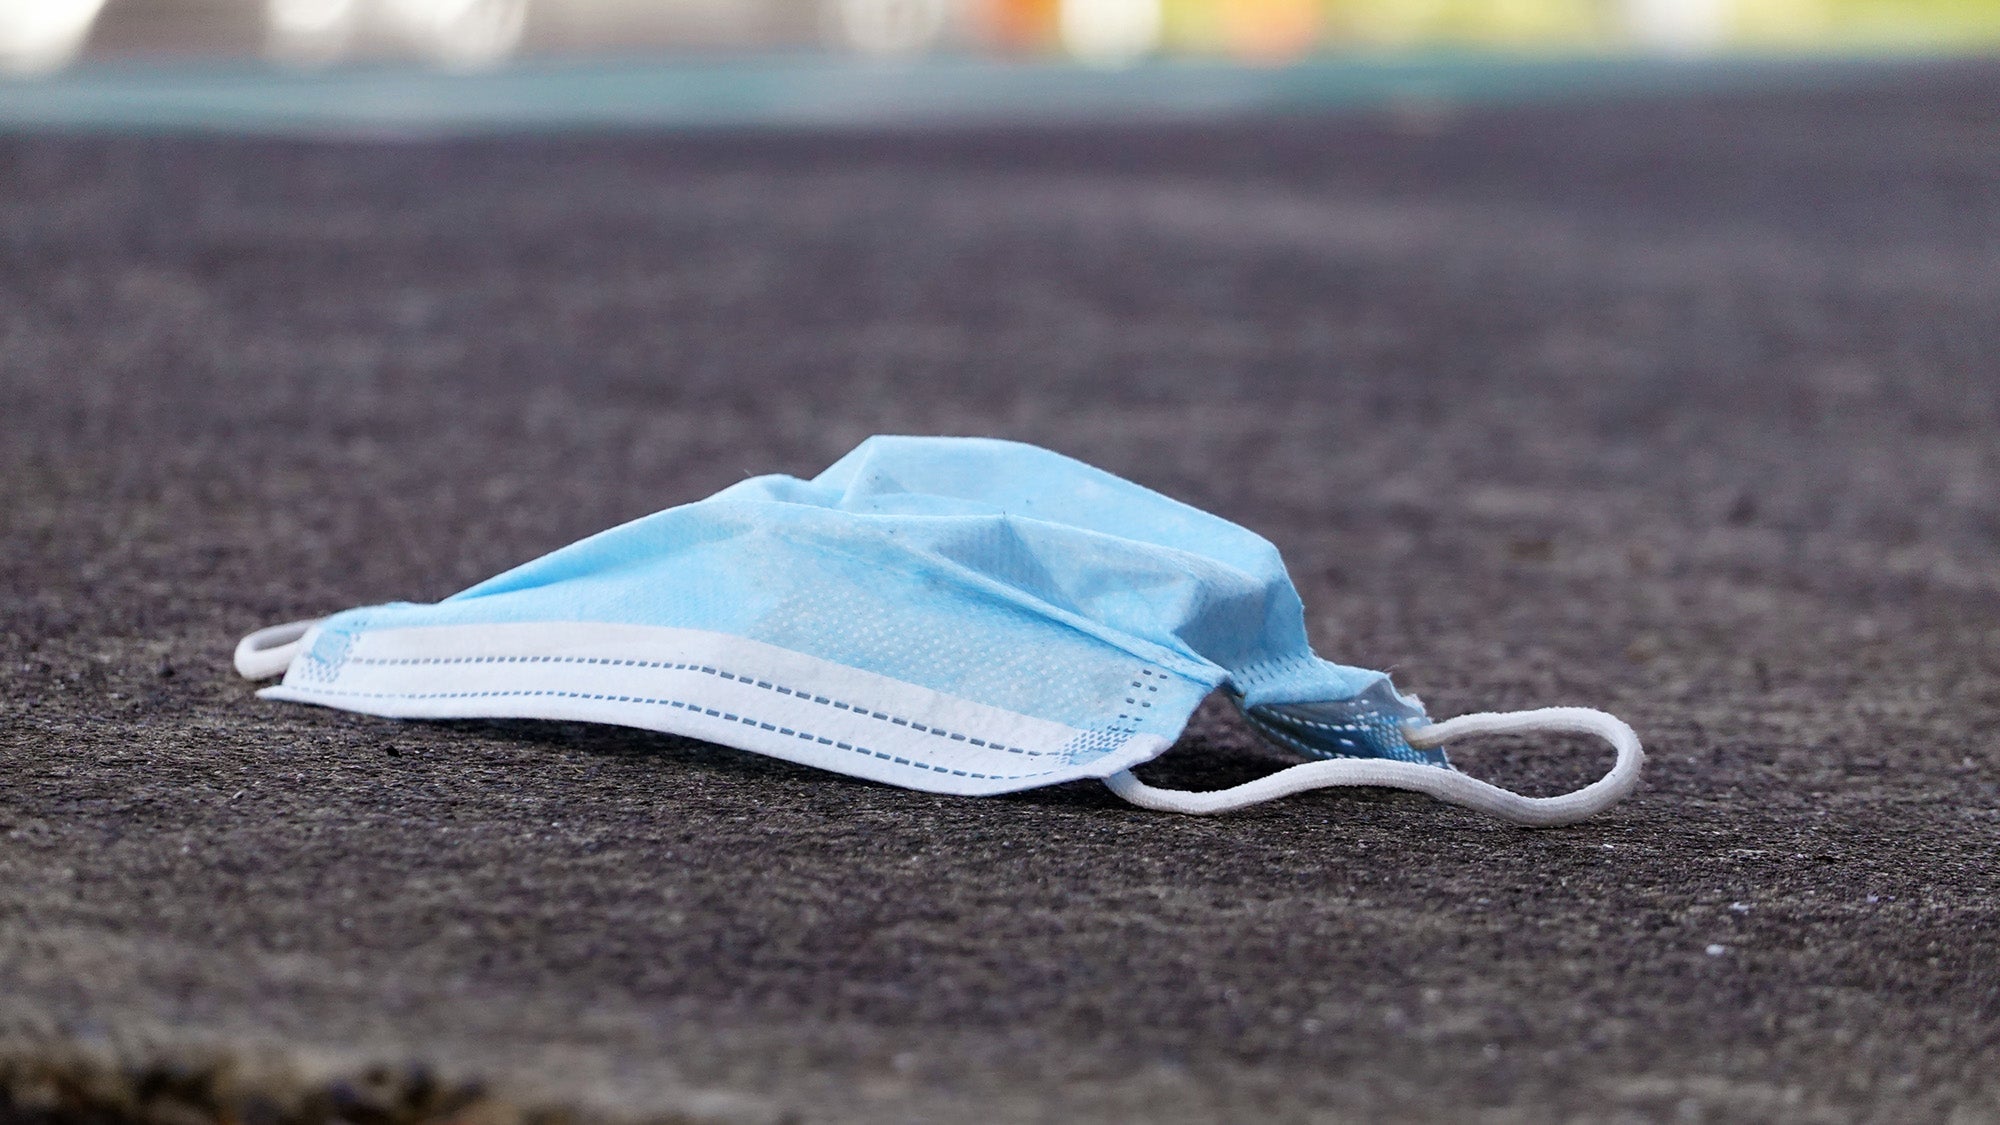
(1681, 406)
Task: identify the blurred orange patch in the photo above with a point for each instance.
(1269, 31)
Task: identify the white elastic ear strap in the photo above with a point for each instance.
(1444, 784)
(268, 652)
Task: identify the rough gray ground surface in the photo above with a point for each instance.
(1684, 409)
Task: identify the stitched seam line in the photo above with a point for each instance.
(710, 670)
(691, 708)
(1310, 750)
(1291, 719)
(1296, 743)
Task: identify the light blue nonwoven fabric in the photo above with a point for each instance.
(988, 570)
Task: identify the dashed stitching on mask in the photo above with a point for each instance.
(1352, 729)
(836, 704)
(1277, 732)
(1351, 725)
(693, 708)
(1299, 744)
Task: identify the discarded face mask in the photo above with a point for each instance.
(958, 615)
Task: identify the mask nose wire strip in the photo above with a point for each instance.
(1445, 784)
(268, 652)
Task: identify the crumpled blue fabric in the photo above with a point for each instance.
(991, 572)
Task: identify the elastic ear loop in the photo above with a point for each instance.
(269, 652)
(1444, 784)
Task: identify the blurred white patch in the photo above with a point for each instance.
(455, 33)
(1110, 32)
(306, 17)
(309, 31)
(890, 27)
(1681, 26)
(462, 33)
(43, 35)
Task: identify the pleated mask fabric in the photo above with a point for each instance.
(957, 615)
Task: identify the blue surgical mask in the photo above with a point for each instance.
(958, 615)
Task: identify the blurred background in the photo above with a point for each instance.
(42, 36)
